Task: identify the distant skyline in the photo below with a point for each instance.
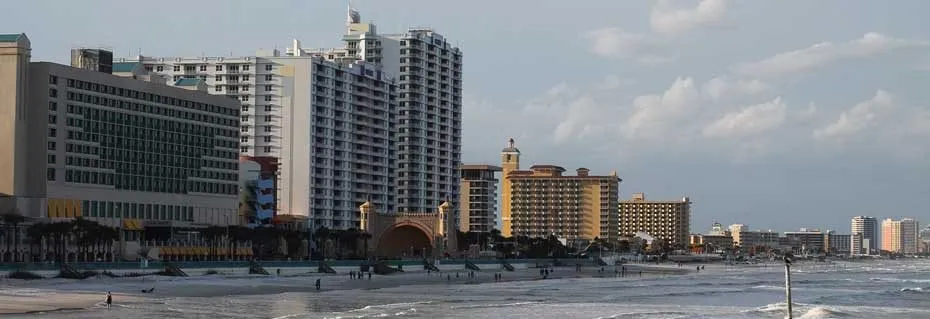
(776, 114)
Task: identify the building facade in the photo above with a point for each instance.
(335, 119)
(864, 235)
(120, 151)
(478, 198)
(258, 190)
(838, 243)
(900, 236)
(808, 240)
(543, 202)
(429, 87)
(664, 220)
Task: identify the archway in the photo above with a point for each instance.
(405, 240)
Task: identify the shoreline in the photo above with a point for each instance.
(20, 297)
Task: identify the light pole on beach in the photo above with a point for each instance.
(788, 259)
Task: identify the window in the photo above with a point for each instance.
(52, 106)
(268, 118)
(269, 88)
(244, 88)
(203, 68)
(219, 68)
(244, 139)
(50, 174)
(245, 128)
(52, 132)
(51, 159)
(51, 146)
(245, 78)
(52, 93)
(267, 108)
(176, 68)
(245, 67)
(244, 149)
(267, 149)
(244, 97)
(245, 107)
(160, 68)
(52, 119)
(267, 128)
(267, 98)
(245, 118)
(52, 79)
(219, 78)
(218, 88)
(269, 67)
(269, 77)
(267, 139)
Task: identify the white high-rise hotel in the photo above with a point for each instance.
(379, 119)
(864, 235)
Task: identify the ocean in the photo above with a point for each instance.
(898, 289)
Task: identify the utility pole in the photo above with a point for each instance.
(787, 259)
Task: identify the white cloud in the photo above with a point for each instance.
(752, 120)
(857, 118)
(668, 19)
(617, 43)
(823, 54)
(721, 87)
(655, 115)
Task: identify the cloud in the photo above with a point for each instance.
(665, 21)
(823, 54)
(668, 19)
(721, 87)
(654, 115)
(857, 118)
(613, 42)
(751, 120)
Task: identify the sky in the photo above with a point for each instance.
(776, 114)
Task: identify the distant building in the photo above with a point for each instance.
(807, 240)
(864, 235)
(478, 198)
(668, 220)
(258, 190)
(736, 230)
(541, 201)
(900, 236)
(838, 243)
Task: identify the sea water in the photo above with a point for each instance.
(881, 289)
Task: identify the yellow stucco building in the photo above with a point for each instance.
(542, 201)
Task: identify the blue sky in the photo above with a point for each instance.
(777, 114)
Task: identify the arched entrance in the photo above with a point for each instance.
(405, 241)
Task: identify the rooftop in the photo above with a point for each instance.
(11, 37)
(123, 67)
(480, 167)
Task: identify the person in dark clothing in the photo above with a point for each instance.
(109, 299)
(369, 275)
(318, 284)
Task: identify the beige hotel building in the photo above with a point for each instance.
(542, 201)
(668, 220)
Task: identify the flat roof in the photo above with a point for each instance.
(480, 167)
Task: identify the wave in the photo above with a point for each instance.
(812, 312)
(498, 305)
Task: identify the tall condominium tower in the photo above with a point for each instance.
(900, 236)
(329, 122)
(478, 198)
(864, 235)
(429, 88)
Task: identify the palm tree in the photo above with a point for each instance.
(13, 220)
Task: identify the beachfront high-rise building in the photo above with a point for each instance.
(838, 243)
(808, 240)
(478, 197)
(900, 236)
(864, 235)
(543, 202)
(124, 152)
(330, 123)
(736, 230)
(510, 161)
(667, 220)
(429, 129)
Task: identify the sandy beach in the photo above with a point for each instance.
(22, 297)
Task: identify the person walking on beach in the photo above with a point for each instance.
(318, 284)
(369, 275)
(109, 299)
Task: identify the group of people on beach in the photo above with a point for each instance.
(359, 275)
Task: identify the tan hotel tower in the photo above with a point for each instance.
(541, 201)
